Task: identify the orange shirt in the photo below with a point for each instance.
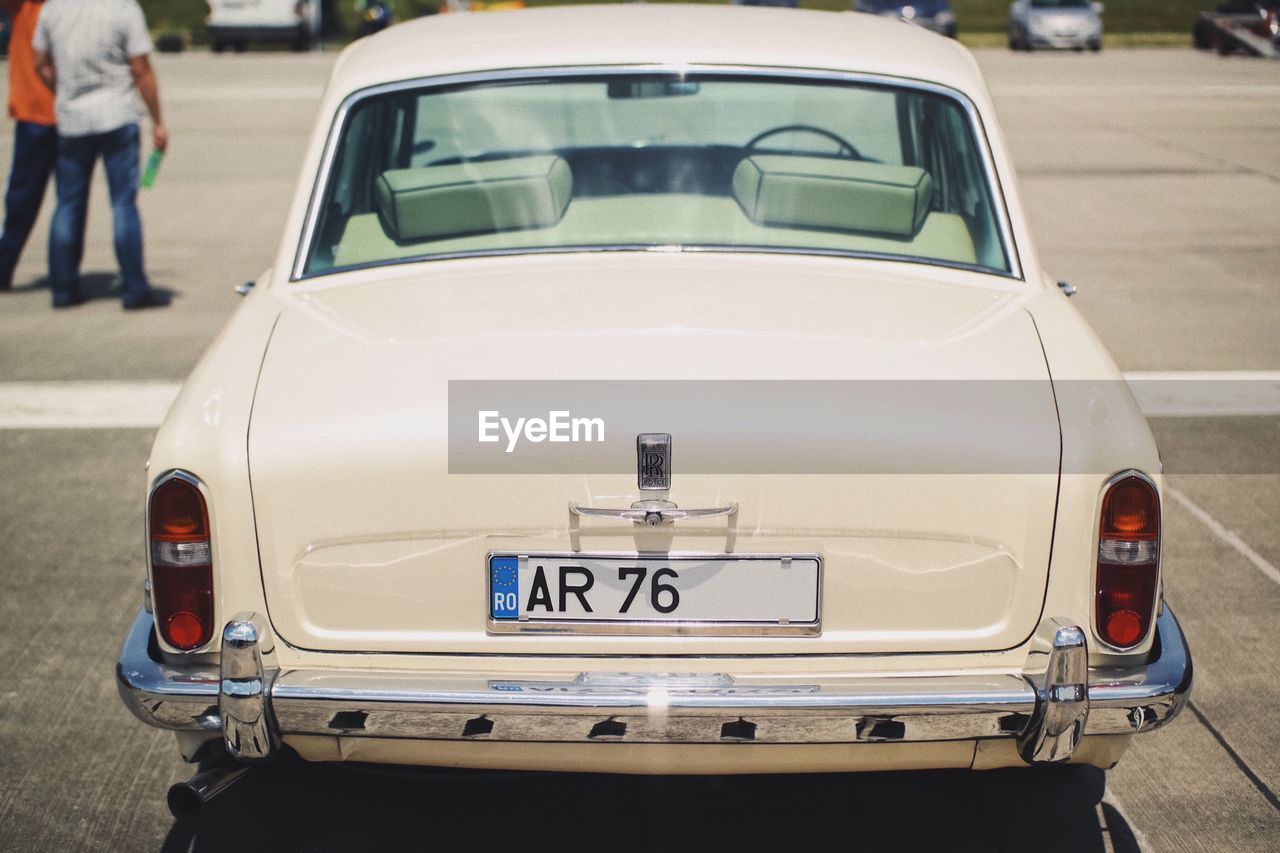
(29, 98)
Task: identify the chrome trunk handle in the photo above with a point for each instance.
(652, 513)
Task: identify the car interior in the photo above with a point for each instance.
(412, 182)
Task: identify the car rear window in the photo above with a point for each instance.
(637, 161)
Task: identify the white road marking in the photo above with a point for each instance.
(84, 405)
(104, 405)
(1206, 393)
(1223, 533)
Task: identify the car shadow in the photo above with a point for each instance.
(290, 806)
(93, 286)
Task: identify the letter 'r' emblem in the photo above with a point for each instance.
(653, 461)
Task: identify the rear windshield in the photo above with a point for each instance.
(643, 161)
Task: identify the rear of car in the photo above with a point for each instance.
(1246, 25)
(238, 23)
(1055, 25)
(615, 415)
(934, 15)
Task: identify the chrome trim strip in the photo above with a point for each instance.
(320, 186)
(662, 250)
(698, 708)
(598, 627)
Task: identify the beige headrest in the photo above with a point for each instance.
(830, 193)
(472, 198)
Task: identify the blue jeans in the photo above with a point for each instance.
(76, 156)
(35, 149)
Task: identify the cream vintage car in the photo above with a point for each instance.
(655, 389)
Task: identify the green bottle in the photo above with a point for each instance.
(153, 166)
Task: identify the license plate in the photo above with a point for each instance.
(655, 594)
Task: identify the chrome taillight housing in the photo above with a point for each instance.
(1128, 568)
(181, 562)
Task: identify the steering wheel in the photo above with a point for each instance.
(846, 148)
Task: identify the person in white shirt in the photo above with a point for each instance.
(95, 55)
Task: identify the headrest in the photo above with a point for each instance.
(475, 197)
(826, 192)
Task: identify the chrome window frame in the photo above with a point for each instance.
(320, 186)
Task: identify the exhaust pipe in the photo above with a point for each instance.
(187, 800)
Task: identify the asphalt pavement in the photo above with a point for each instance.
(1152, 180)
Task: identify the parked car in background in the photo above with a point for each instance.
(872, 495)
(935, 15)
(236, 24)
(1251, 25)
(1055, 24)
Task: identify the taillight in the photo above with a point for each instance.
(1128, 561)
(181, 563)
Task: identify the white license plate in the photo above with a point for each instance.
(655, 594)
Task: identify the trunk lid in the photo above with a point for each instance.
(369, 543)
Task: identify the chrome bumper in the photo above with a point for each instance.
(1047, 708)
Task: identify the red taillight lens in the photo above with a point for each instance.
(1128, 561)
(181, 564)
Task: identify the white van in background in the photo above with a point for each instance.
(237, 23)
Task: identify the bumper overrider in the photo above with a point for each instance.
(1047, 708)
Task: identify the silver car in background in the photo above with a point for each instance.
(935, 15)
(1059, 24)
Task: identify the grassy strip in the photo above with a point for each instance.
(971, 39)
(992, 16)
(1121, 16)
(1148, 22)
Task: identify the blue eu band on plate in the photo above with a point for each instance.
(503, 575)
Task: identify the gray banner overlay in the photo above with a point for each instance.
(815, 427)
